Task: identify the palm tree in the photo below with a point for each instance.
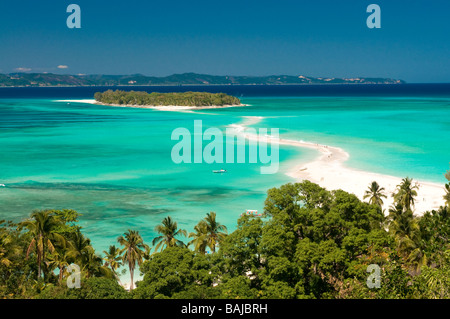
(79, 248)
(59, 260)
(447, 195)
(200, 237)
(406, 231)
(83, 254)
(208, 233)
(4, 258)
(406, 193)
(94, 266)
(375, 194)
(216, 232)
(8, 249)
(42, 226)
(113, 260)
(134, 251)
(417, 259)
(401, 222)
(169, 230)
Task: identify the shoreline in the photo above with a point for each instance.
(206, 85)
(159, 107)
(329, 171)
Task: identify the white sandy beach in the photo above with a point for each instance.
(160, 108)
(329, 171)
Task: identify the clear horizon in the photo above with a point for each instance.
(321, 39)
(248, 75)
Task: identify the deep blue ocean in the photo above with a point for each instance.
(378, 90)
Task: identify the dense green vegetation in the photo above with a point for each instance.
(164, 99)
(310, 243)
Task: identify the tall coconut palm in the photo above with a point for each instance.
(113, 260)
(168, 230)
(216, 232)
(406, 193)
(133, 252)
(42, 226)
(200, 237)
(375, 193)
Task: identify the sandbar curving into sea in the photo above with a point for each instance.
(329, 171)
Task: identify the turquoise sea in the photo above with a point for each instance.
(114, 165)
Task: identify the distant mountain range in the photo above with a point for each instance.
(49, 79)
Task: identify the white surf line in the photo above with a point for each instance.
(328, 170)
(88, 101)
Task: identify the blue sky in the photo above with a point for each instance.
(316, 38)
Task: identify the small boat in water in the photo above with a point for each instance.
(220, 171)
(2, 185)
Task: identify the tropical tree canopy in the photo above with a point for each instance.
(311, 243)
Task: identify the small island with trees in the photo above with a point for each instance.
(155, 99)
